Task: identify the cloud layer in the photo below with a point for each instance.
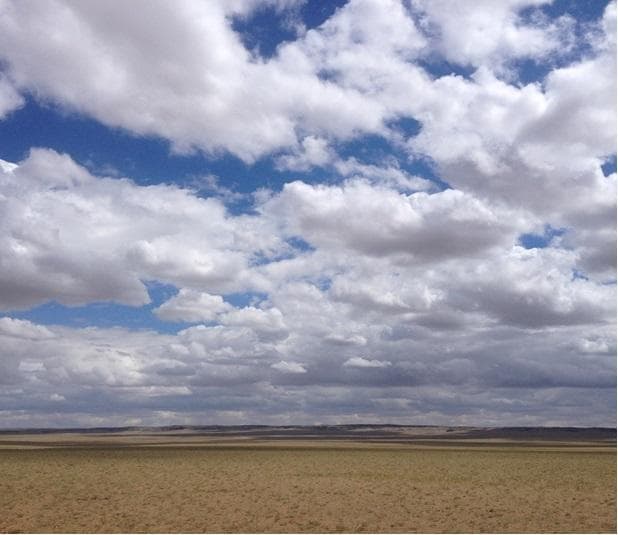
(375, 295)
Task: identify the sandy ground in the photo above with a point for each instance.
(308, 486)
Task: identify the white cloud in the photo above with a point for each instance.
(486, 32)
(388, 175)
(24, 329)
(191, 305)
(459, 319)
(534, 288)
(360, 362)
(7, 167)
(481, 311)
(342, 339)
(333, 217)
(111, 372)
(182, 73)
(313, 151)
(539, 147)
(289, 367)
(76, 238)
(267, 323)
(10, 99)
(599, 345)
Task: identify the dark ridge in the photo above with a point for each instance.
(348, 431)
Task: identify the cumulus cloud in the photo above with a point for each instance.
(77, 238)
(353, 74)
(375, 294)
(191, 305)
(491, 33)
(23, 329)
(196, 85)
(504, 373)
(267, 323)
(334, 217)
(491, 313)
(390, 175)
(312, 152)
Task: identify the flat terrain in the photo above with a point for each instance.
(183, 481)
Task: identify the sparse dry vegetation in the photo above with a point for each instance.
(308, 487)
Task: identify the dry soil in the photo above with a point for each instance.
(304, 486)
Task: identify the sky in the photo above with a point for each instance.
(307, 212)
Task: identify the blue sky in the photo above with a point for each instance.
(380, 205)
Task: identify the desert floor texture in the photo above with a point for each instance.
(343, 481)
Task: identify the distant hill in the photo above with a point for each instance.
(396, 433)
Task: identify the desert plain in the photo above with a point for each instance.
(387, 479)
